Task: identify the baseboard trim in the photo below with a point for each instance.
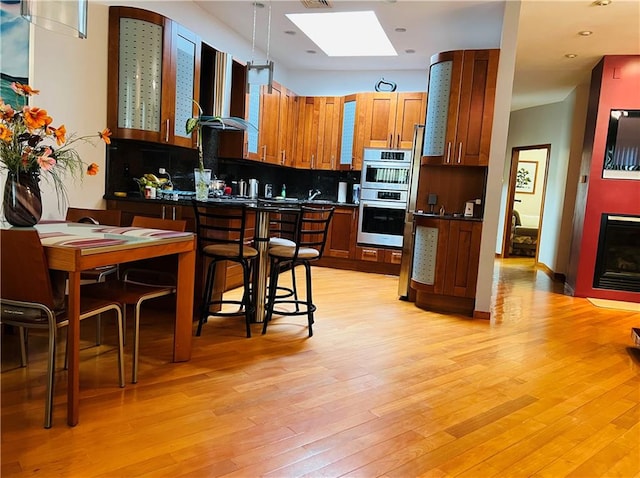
(480, 314)
(556, 276)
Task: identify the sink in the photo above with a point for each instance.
(318, 201)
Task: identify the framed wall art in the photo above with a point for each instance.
(526, 177)
(14, 48)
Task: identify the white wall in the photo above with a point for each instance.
(562, 126)
(71, 75)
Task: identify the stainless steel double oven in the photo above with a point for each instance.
(384, 195)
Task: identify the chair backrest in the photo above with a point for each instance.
(313, 228)
(109, 217)
(158, 223)
(220, 224)
(283, 223)
(23, 269)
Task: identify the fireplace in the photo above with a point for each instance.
(618, 256)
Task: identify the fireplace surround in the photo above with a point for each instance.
(618, 254)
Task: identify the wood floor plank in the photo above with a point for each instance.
(548, 387)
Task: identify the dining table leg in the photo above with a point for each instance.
(183, 328)
(73, 347)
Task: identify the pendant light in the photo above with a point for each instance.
(63, 16)
(260, 73)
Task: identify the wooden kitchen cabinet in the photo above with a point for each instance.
(151, 208)
(341, 240)
(318, 132)
(390, 119)
(460, 107)
(445, 264)
(154, 76)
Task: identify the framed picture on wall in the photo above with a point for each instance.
(14, 49)
(526, 177)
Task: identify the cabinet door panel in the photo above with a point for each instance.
(381, 118)
(341, 239)
(270, 125)
(475, 115)
(185, 72)
(462, 258)
(410, 112)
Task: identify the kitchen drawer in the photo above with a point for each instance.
(370, 254)
(392, 256)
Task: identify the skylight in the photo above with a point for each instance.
(345, 33)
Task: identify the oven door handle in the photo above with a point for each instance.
(381, 204)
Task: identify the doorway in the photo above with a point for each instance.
(525, 201)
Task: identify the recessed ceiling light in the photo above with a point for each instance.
(571, 55)
(345, 33)
(401, 30)
(311, 52)
(602, 3)
(410, 51)
(290, 32)
(585, 33)
(258, 5)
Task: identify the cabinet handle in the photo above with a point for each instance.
(459, 151)
(313, 161)
(448, 151)
(264, 152)
(391, 140)
(166, 131)
(333, 162)
(163, 212)
(369, 252)
(173, 214)
(284, 157)
(398, 143)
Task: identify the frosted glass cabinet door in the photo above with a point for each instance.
(186, 59)
(140, 79)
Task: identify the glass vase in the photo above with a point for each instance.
(22, 201)
(202, 178)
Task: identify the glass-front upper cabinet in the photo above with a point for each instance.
(153, 77)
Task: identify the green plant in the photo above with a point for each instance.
(232, 123)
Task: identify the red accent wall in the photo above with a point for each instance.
(619, 87)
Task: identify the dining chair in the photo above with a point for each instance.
(140, 282)
(110, 217)
(310, 239)
(221, 235)
(27, 301)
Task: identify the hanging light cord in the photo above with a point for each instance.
(269, 31)
(253, 37)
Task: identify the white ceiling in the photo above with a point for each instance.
(548, 30)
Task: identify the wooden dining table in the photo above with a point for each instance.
(75, 247)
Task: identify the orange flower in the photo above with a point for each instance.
(23, 90)
(104, 135)
(45, 161)
(5, 134)
(60, 134)
(35, 118)
(92, 169)
(6, 111)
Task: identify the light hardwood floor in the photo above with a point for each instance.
(549, 387)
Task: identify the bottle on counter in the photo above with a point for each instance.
(284, 191)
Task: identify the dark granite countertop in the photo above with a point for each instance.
(447, 216)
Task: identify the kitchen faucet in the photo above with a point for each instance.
(314, 193)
